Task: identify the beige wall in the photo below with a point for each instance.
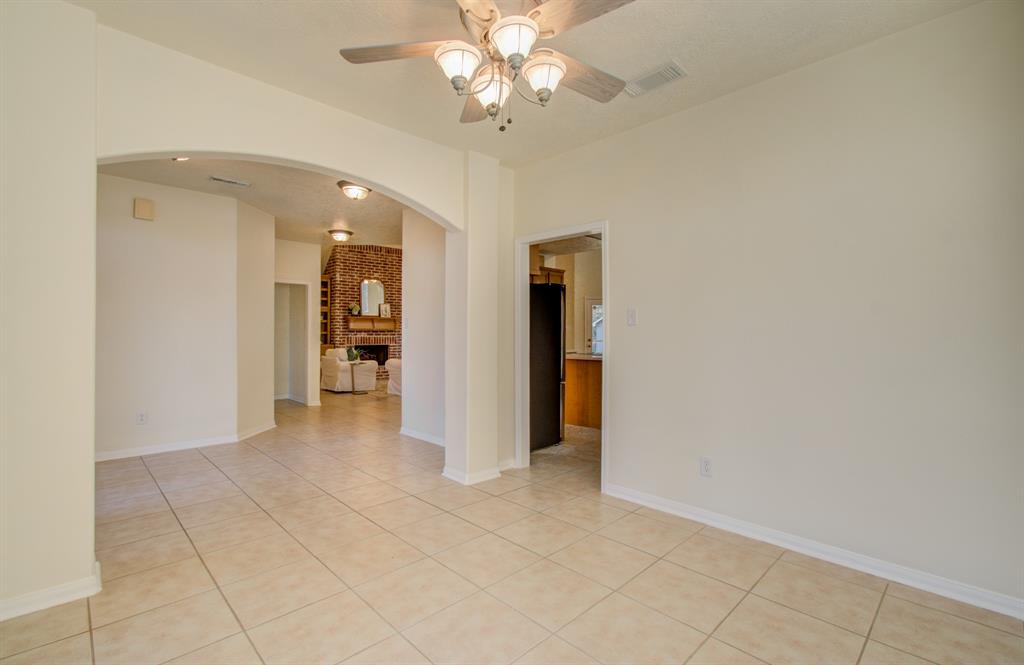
(827, 268)
(255, 306)
(506, 319)
(47, 304)
(423, 365)
(282, 341)
(587, 284)
(299, 263)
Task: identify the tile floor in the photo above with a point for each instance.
(334, 539)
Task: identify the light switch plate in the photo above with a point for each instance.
(631, 316)
(144, 209)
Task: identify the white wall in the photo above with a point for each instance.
(47, 304)
(299, 263)
(828, 270)
(255, 305)
(506, 319)
(166, 319)
(282, 341)
(423, 363)
(299, 321)
(586, 284)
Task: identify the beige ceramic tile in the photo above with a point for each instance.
(240, 561)
(372, 494)
(190, 479)
(234, 531)
(485, 560)
(777, 634)
(963, 610)
(112, 477)
(840, 572)
(621, 631)
(876, 653)
(694, 599)
(268, 595)
(542, 534)
(586, 514)
(847, 605)
(281, 494)
(75, 650)
(555, 651)
(339, 481)
(132, 490)
(202, 493)
(505, 483)
(129, 508)
(43, 627)
(113, 534)
(738, 566)
(714, 652)
(538, 472)
(538, 497)
(943, 638)
(438, 533)
(218, 510)
(395, 650)
(421, 481)
(758, 546)
(493, 513)
(310, 510)
(398, 513)
(453, 497)
(643, 533)
(324, 633)
(464, 633)
(134, 594)
(549, 594)
(234, 650)
(326, 535)
(144, 554)
(413, 593)
(165, 633)
(602, 560)
(363, 560)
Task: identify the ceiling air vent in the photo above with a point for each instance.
(670, 71)
(229, 181)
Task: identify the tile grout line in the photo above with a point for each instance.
(874, 618)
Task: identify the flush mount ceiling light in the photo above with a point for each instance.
(179, 159)
(508, 44)
(353, 191)
(340, 235)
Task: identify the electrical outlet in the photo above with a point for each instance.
(141, 418)
(705, 467)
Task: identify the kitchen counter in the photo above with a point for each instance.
(583, 356)
(583, 389)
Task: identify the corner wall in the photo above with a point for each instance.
(827, 270)
(47, 304)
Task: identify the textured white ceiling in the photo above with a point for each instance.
(724, 45)
(305, 204)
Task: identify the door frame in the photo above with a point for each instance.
(312, 307)
(522, 335)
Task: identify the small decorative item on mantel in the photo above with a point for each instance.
(353, 309)
(385, 310)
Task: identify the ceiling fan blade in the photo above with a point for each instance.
(589, 81)
(473, 111)
(557, 16)
(364, 54)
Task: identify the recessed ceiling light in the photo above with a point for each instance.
(340, 235)
(179, 159)
(353, 191)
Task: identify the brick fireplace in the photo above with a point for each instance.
(347, 267)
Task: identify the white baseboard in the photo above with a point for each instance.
(470, 478)
(53, 596)
(422, 436)
(105, 455)
(284, 396)
(510, 463)
(990, 600)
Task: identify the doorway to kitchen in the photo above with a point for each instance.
(562, 347)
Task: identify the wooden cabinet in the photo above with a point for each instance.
(583, 392)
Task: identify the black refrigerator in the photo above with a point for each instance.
(547, 364)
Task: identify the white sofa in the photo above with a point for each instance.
(337, 373)
(394, 368)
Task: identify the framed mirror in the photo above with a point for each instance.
(371, 293)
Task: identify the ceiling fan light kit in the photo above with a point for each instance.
(508, 44)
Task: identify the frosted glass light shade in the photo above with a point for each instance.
(544, 72)
(491, 87)
(457, 59)
(514, 36)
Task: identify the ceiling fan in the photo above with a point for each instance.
(508, 44)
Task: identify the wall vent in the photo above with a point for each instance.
(670, 71)
(229, 181)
